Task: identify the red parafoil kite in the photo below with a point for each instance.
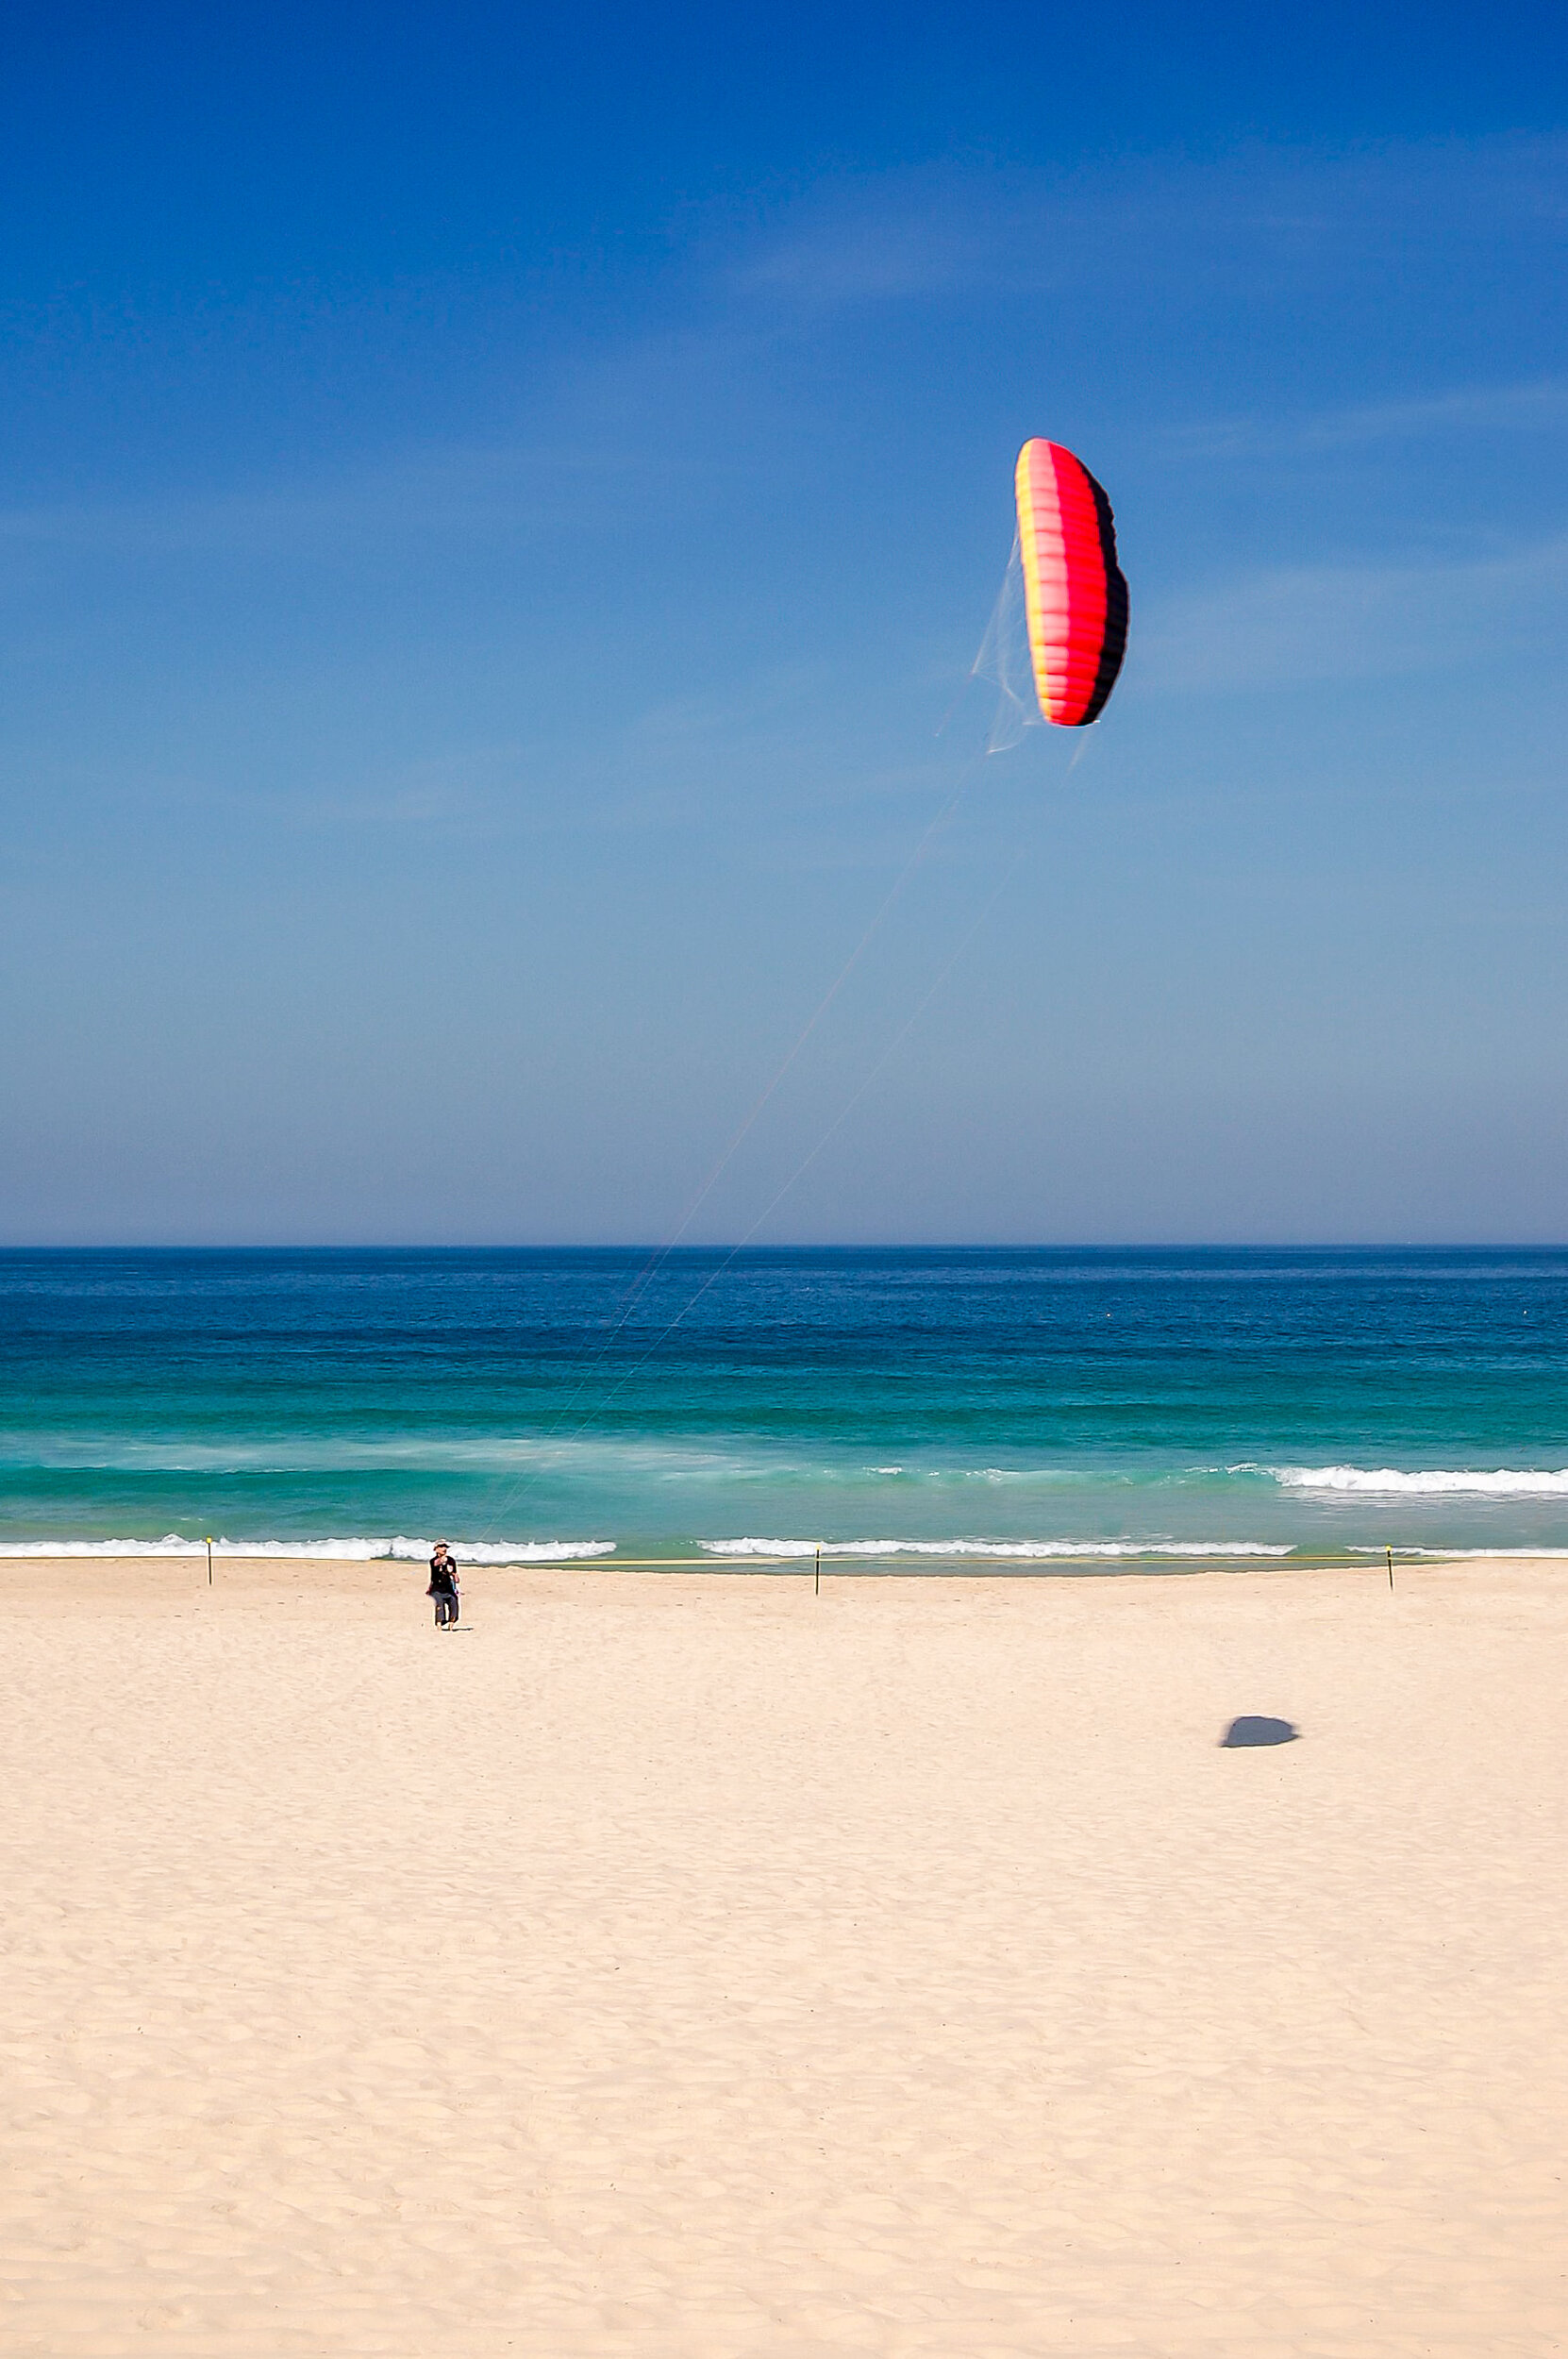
(1074, 593)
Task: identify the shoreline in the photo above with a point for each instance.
(248, 1567)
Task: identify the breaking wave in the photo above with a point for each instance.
(1024, 1549)
(400, 1549)
(1391, 1482)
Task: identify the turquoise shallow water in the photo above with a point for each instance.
(1100, 1406)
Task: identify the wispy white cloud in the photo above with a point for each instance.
(1291, 625)
(613, 434)
(916, 235)
(623, 428)
(1259, 218)
(1540, 407)
(467, 493)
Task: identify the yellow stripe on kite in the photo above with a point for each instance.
(1028, 526)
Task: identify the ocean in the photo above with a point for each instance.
(1016, 1409)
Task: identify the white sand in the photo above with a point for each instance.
(683, 1968)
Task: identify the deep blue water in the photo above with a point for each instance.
(1050, 1403)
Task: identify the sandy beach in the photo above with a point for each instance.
(690, 1966)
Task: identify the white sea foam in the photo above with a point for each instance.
(1503, 1483)
(1026, 1549)
(1527, 1548)
(399, 1549)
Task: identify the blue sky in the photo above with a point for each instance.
(499, 510)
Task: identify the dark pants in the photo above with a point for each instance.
(446, 1609)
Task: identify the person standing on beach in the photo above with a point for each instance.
(443, 1586)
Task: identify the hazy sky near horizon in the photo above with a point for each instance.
(499, 509)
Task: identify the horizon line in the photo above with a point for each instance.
(668, 1252)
